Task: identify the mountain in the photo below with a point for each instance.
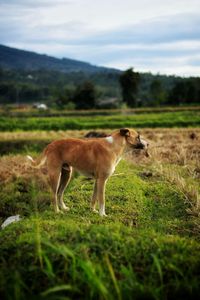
(30, 77)
(15, 59)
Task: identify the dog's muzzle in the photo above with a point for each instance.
(141, 145)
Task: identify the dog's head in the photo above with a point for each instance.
(133, 139)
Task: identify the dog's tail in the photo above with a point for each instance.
(38, 163)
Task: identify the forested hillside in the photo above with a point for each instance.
(15, 59)
(28, 77)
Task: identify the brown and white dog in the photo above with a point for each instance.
(94, 157)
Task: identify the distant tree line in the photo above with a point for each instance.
(181, 91)
(84, 91)
(58, 89)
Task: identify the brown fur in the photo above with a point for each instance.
(95, 158)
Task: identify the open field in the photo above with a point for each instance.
(148, 246)
(29, 111)
(190, 118)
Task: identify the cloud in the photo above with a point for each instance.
(33, 3)
(158, 30)
(165, 29)
(113, 33)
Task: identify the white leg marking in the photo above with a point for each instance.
(56, 198)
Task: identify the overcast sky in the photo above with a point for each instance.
(149, 35)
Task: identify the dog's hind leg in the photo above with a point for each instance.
(64, 181)
(94, 198)
(54, 180)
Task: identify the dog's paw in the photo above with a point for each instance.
(57, 211)
(95, 210)
(65, 208)
(103, 214)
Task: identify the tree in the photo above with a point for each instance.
(185, 91)
(8, 92)
(157, 92)
(176, 95)
(64, 96)
(85, 96)
(129, 81)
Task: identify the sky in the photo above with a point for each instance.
(149, 35)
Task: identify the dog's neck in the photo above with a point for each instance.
(118, 143)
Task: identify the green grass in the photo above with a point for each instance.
(147, 248)
(152, 120)
(23, 146)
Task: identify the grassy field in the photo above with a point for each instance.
(190, 118)
(148, 246)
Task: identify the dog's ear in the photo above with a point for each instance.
(124, 132)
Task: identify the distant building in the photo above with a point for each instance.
(41, 106)
(30, 76)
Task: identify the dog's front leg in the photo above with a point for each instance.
(101, 183)
(94, 198)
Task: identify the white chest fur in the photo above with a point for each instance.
(109, 139)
